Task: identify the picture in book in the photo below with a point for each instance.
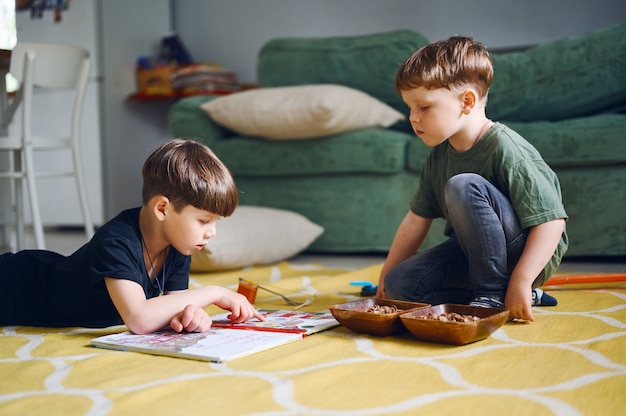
(225, 341)
(282, 321)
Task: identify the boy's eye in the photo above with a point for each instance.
(209, 220)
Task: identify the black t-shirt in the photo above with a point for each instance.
(43, 288)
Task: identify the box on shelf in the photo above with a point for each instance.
(154, 76)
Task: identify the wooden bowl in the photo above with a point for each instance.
(354, 315)
(450, 332)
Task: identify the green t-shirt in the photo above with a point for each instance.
(512, 165)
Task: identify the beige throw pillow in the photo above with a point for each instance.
(300, 112)
(255, 235)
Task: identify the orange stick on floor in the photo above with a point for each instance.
(578, 279)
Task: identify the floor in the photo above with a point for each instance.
(66, 241)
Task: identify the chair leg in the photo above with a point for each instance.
(17, 193)
(19, 215)
(82, 194)
(32, 194)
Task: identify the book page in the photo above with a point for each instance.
(217, 344)
(282, 321)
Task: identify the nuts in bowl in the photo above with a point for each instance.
(373, 316)
(454, 324)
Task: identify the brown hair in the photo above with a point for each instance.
(450, 63)
(189, 173)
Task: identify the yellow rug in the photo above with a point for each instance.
(570, 361)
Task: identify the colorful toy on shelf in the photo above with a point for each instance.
(154, 76)
(174, 74)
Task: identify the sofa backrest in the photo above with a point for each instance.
(572, 77)
(364, 62)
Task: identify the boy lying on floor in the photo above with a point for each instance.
(143, 253)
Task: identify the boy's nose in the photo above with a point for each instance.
(211, 231)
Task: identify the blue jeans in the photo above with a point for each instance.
(477, 260)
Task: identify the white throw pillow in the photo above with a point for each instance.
(300, 112)
(255, 235)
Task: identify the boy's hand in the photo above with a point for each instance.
(380, 292)
(191, 319)
(518, 301)
(240, 309)
(541, 242)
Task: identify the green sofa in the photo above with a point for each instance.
(566, 97)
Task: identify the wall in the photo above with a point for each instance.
(131, 129)
(232, 32)
(118, 133)
(76, 27)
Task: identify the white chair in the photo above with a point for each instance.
(50, 66)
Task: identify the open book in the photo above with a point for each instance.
(298, 322)
(225, 341)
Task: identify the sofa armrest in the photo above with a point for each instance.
(188, 121)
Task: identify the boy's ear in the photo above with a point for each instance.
(160, 206)
(469, 98)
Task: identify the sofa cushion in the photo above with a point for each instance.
(255, 235)
(568, 78)
(365, 62)
(300, 112)
(186, 119)
(586, 141)
(372, 150)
